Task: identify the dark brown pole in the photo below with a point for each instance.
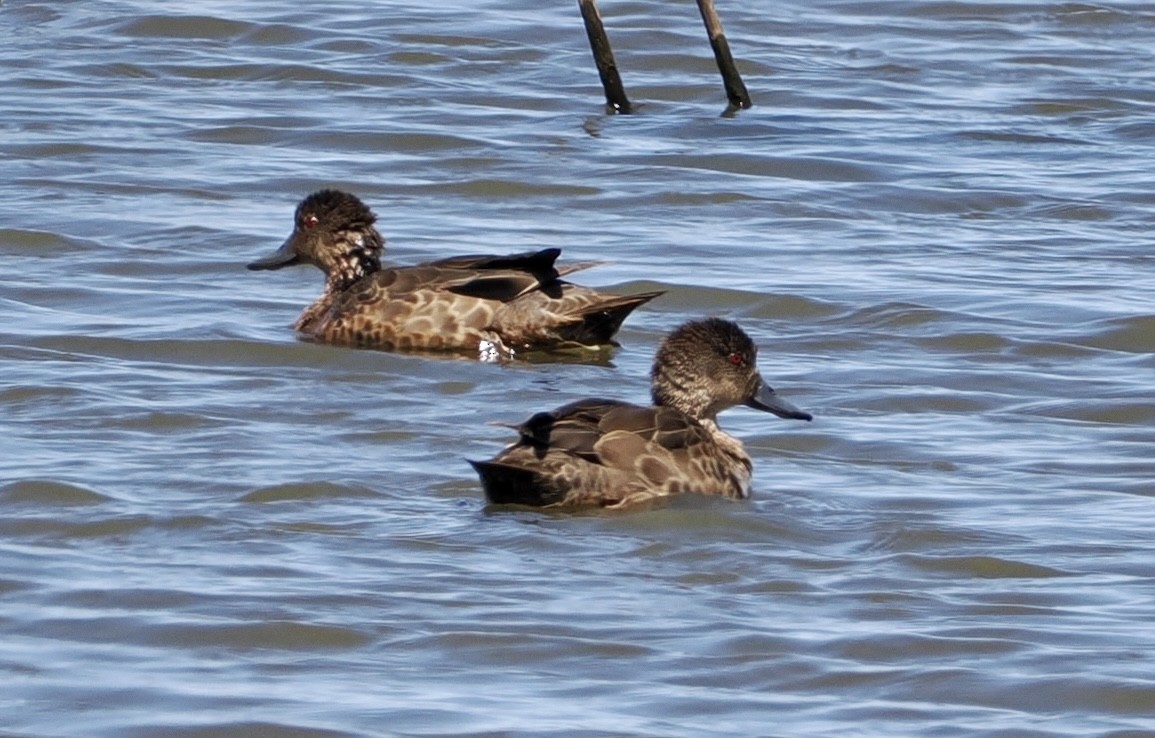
(731, 80)
(616, 98)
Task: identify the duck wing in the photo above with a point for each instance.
(490, 283)
(581, 428)
(505, 278)
(539, 263)
(621, 437)
(500, 278)
(596, 452)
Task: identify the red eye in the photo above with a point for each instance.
(736, 359)
(309, 221)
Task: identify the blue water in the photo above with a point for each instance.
(935, 222)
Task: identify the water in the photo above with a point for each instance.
(935, 222)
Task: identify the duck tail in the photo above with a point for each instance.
(514, 485)
(598, 321)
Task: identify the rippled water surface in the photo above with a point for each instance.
(936, 222)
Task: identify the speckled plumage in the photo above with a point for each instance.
(610, 453)
(515, 302)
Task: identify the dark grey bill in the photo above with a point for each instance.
(768, 400)
(285, 256)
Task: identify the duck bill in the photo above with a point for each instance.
(767, 400)
(285, 256)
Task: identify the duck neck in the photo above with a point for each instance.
(668, 392)
(360, 257)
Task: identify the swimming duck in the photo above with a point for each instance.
(495, 304)
(610, 453)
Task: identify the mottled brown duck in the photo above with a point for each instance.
(609, 453)
(498, 305)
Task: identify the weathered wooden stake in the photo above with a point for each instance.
(604, 58)
(731, 80)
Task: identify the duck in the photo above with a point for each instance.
(612, 454)
(495, 305)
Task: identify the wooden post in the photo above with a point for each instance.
(735, 90)
(616, 98)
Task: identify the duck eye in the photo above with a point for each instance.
(309, 221)
(736, 359)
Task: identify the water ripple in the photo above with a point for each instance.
(934, 222)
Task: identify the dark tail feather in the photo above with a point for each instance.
(601, 320)
(513, 485)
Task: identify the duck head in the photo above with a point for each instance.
(332, 230)
(706, 366)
